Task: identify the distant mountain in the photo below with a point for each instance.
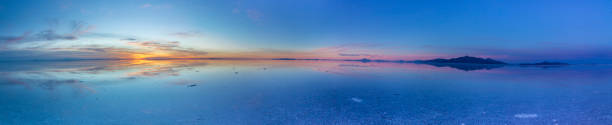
(545, 63)
(464, 60)
(466, 67)
(284, 59)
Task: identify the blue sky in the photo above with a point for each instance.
(514, 31)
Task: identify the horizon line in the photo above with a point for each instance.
(363, 60)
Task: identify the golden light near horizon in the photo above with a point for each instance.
(151, 55)
(140, 56)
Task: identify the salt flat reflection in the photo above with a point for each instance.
(49, 74)
(299, 92)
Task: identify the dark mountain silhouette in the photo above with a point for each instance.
(284, 59)
(464, 60)
(467, 67)
(465, 63)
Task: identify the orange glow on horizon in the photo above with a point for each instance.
(149, 55)
(140, 56)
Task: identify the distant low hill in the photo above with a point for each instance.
(464, 60)
(545, 63)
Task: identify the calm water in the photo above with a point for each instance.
(300, 92)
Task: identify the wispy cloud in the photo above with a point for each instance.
(350, 54)
(129, 39)
(32, 46)
(51, 35)
(187, 34)
(359, 50)
(13, 39)
(57, 54)
(366, 50)
(138, 49)
(156, 6)
(77, 28)
(169, 49)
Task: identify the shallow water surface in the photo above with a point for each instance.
(300, 92)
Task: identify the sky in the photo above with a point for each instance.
(513, 31)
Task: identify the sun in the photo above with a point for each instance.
(140, 56)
